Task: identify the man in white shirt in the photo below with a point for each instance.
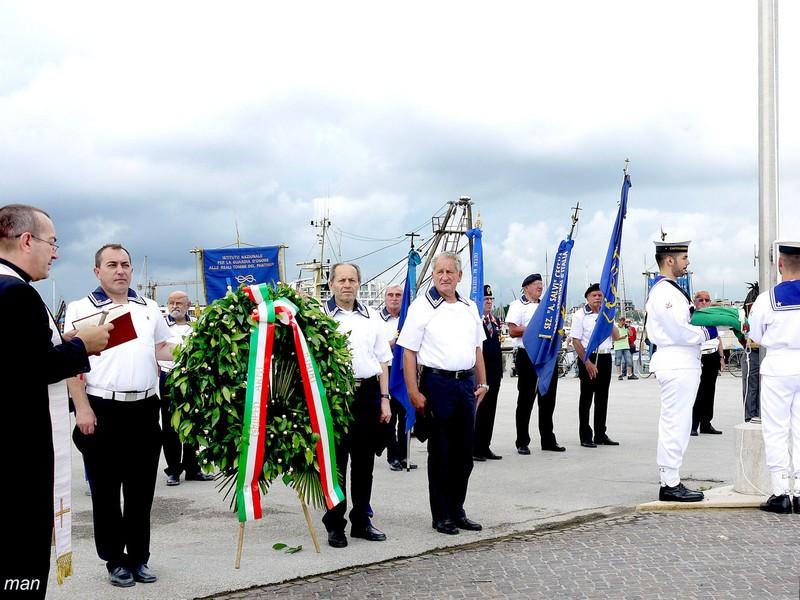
(712, 360)
(519, 315)
(117, 430)
(775, 325)
(397, 446)
(676, 364)
(443, 334)
(179, 323)
(370, 408)
(594, 371)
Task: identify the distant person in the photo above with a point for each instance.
(116, 415)
(493, 361)
(397, 446)
(443, 336)
(370, 407)
(775, 324)
(180, 458)
(519, 315)
(632, 334)
(712, 362)
(34, 362)
(622, 352)
(594, 371)
(676, 364)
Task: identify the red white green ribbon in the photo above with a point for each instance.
(251, 454)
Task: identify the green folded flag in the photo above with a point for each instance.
(718, 316)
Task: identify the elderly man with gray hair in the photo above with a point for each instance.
(443, 334)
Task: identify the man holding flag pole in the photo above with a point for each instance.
(596, 322)
(544, 332)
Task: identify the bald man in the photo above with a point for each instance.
(178, 320)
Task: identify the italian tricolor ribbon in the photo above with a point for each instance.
(251, 454)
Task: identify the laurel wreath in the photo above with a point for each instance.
(209, 385)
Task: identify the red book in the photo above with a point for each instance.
(120, 316)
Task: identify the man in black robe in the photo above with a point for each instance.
(29, 362)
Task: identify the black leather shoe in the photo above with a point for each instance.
(777, 504)
(407, 465)
(524, 450)
(478, 458)
(337, 539)
(468, 524)
(492, 456)
(606, 441)
(143, 574)
(679, 493)
(634, 377)
(796, 505)
(554, 448)
(395, 465)
(709, 429)
(446, 526)
(368, 533)
(121, 577)
(199, 476)
(694, 433)
(173, 480)
(589, 444)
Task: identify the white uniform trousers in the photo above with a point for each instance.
(780, 418)
(678, 391)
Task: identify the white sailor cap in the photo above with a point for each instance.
(788, 247)
(669, 247)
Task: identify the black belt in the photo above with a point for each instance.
(465, 374)
(367, 379)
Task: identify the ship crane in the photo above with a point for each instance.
(150, 288)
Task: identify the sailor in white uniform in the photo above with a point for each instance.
(676, 364)
(775, 324)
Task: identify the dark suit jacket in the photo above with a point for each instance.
(28, 364)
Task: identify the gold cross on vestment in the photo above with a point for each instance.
(62, 512)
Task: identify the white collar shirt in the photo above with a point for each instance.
(367, 337)
(132, 366)
(178, 332)
(444, 334)
(775, 324)
(519, 313)
(678, 341)
(390, 323)
(583, 324)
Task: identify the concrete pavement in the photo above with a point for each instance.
(194, 534)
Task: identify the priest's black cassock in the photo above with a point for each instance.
(29, 362)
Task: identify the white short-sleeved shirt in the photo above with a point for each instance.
(177, 334)
(583, 323)
(678, 341)
(775, 324)
(390, 323)
(443, 334)
(519, 313)
(367, 338)
(132, 366)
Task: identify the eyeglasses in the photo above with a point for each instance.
(53, 245)
(703, 300)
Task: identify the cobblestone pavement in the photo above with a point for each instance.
(685, 554)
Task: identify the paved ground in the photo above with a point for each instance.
(194, 534)
(731, 554)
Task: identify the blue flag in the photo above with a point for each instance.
(542, 337)
(397, 384)
(610, 278)
(476, 291)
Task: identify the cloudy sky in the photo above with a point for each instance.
(164, 125)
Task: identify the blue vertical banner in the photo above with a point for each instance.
(609, 277)
(224, 267)
(684, 281)
(476, 263)
(543, 335)
(397, 384)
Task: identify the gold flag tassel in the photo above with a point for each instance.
(63, 567)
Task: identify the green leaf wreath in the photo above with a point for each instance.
(209, 384)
